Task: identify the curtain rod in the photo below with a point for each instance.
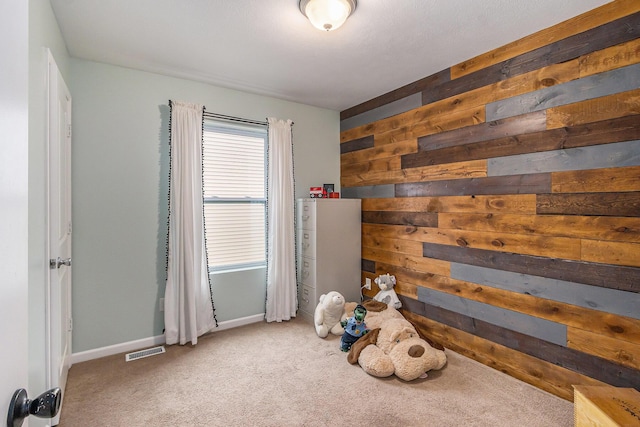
(233, 119)
(230, 118)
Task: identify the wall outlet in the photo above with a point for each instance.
(161, 304)
(367, 283)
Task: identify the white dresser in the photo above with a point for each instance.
(329, 259)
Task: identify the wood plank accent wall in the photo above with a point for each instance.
(508, 204)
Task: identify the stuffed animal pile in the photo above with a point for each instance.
(393, 346)
(387, 344)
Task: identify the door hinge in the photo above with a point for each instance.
(69, 130)
(70, 324)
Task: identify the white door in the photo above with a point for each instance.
(14, 193)
(59, 226)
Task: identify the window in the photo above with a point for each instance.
(234, 184)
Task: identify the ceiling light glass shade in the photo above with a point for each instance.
(327, 15)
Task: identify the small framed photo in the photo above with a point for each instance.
(328, 188)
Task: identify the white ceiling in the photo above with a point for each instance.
(268, 47)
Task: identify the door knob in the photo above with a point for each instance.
(46, 405)
(56, 263)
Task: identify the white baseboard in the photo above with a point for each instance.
(126, 347)
(229, 324)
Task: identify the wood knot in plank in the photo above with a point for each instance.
(497, 243)
(547, 82)
(617, 329)
(461, 242)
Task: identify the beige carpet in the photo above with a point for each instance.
(285, 375)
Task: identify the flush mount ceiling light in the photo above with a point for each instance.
(327, 15)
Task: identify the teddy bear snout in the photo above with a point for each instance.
(416, 351)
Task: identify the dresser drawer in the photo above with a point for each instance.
(307, 243)
(307, 299)
(306, 215)
(307, 271)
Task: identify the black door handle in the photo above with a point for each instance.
(46, 405)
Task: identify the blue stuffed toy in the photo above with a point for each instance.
(354, 328)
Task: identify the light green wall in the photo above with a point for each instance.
(43, 33)
(120, 168)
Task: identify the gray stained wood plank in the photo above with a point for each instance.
(514, 184)
(368, 192)
(602, 275)
(511, 320)
(592, 297)
(619, 154)
(595, 86)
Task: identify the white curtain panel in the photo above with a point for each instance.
(188, 307)
(282, 298)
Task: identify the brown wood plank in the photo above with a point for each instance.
(603, 275)
(380, 164)
(597, 180)
(401, 246)
(409, 262)
(607, 131)
(593, 110)
(618, 253)
(619, 351)
(434, 124)
(526, 123)
(386, 152)
(511, 184)
(476, 168)
(611, 58)
(418, 219)
(537, 245)
(519, 203)
(601, 204)
(586, 21)
(604, 324)
(541, 374)
(616, 229)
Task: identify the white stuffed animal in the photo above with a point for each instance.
(329, 312)
(387, 295)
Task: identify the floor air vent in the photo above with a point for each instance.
(144, 353)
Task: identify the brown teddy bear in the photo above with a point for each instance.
(393, 346)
